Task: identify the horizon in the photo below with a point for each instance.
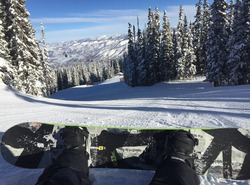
(67, 21)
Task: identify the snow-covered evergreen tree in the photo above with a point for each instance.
(116, 66)
(140, 57)
(151, 52)
(185, 46)
(6, 72)
(110, 68)
(189, 57)
(81, 75)
(108, 71)
(177, 53)
(190, 67)
(239, 47)
(205, 26)
(62, 78)
(85, 74)
(58, 79)
(156, 46)
(179, 59)
(23, 48)
(231, 16)
(131, 65)
(216, 44)
(4, 50)
(45, 63)
(167, 65)
(75, 76)
(197, 39)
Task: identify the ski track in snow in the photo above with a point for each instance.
(112, 103)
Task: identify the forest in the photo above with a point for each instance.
(215, 45)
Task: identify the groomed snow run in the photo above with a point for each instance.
(112, 103)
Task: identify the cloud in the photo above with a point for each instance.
(113, 13)
(79, 20)
(104, 22)
(109, 16)
(76, 34)
(94, 17)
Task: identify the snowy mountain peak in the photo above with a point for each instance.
(87, 50)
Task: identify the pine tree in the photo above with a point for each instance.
(205, 26)
(246, 47)
(231, 16)
(179, 58)
(131, 66)
(62, 78)
(190, 57)
(66, 78)
(75, 76)
(176, 52)
(23, 48)
(216, 44)
(167, 53)
(6, 72)
(45, 63)
(58, 79)
(156, 47)
(151, 48)
(81, 73)
(4, 51)
(239, 58)
(110, 69)
(140, 57)
(99, 72)
(185, 47)
(197, 41)
(85, 73)
(116, 66)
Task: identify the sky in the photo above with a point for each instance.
(65, 20)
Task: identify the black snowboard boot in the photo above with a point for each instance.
(75, 137)
(71, 167)
(181, 144)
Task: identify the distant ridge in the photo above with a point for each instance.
(88, 50)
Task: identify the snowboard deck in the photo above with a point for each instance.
(221, 153)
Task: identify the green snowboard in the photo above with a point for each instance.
(221, 153)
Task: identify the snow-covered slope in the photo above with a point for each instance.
(91, 49)
(177, 104)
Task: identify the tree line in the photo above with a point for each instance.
(26, 65)
(216, 45)
(82, 73)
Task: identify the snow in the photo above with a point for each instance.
(191, 103)
(3, 63)
(90, 49)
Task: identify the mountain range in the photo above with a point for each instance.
(87, 50)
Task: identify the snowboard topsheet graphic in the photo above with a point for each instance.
(221, 153)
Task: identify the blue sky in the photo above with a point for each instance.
(65, 20)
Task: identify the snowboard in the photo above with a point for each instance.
(221, 152)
